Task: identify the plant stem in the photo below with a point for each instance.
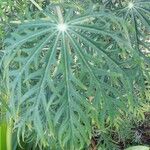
(3, 128)
(9, 135)
(36, 4)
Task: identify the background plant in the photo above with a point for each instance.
(74, 71)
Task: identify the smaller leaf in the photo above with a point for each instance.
(138, 148)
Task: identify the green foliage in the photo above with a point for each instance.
(67, 69)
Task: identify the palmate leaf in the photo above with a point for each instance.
(52, 72)
(137, 14)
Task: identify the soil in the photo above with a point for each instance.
(143, 129)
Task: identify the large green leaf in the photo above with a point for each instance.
(53, 66)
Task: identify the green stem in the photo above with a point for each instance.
(36, 5)
(3, 130)
(9, 135)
